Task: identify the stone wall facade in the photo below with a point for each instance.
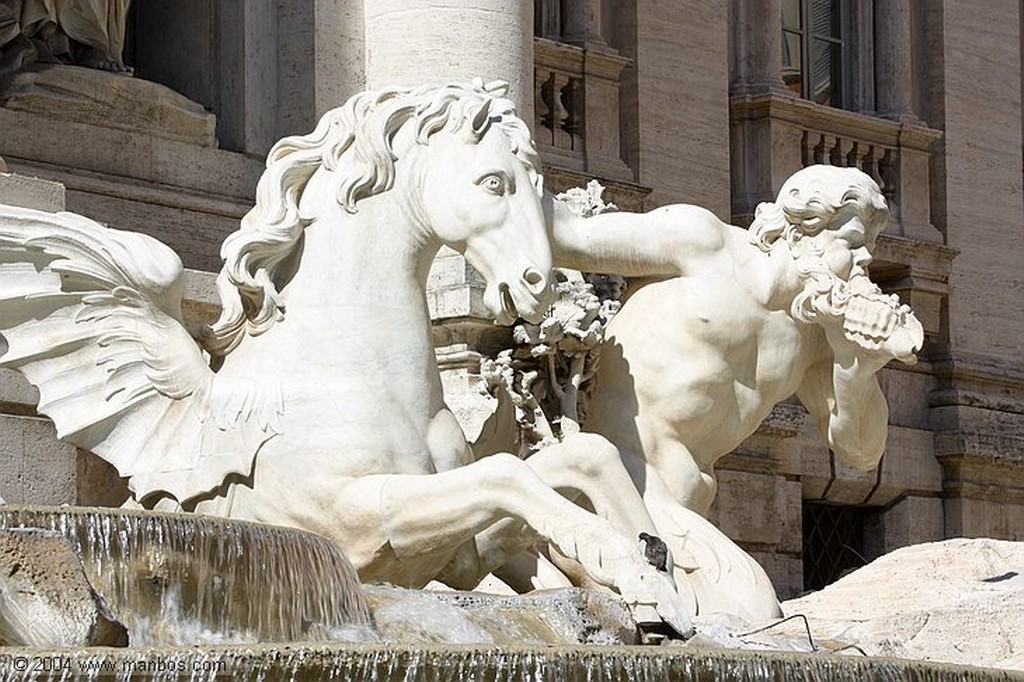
(663, 102)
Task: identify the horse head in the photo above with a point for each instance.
(469, 177)
(478, 189)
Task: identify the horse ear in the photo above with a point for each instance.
(482, 120)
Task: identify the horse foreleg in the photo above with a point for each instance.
(588, 465)
(585, 469)
(428, 517)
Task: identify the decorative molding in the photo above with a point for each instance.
(810, 115)
(627, 196)
(138, 190)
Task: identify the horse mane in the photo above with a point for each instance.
(356, 140)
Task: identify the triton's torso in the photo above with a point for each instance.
(694, 363)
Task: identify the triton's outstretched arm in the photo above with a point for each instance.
(666, 242)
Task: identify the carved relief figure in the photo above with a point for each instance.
(326, 411)
(83, 32)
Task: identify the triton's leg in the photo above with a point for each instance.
(721, 575)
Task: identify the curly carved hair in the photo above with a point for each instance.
(357, 140)
(808, 203)
(811, 199)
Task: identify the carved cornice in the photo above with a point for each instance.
(929, 259)
(961, 366)
(982, 397)
(806, 114)
(136, 189)
(973, 446)
(578, 60)
(902, 264)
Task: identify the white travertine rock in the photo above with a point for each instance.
(45, 597)
(957, 601)
(553, 617)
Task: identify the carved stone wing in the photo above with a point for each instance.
(92, 317)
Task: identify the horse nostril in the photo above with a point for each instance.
(534, 280)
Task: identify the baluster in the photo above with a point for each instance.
(853, 155)
(835, 152)
(887, 174)
(819, 150)
(555, 116)
(572, 101)
(559, 137)
(544, 86)
(869, 165)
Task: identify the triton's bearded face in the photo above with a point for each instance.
(836, 290)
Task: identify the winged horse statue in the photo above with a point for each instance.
(315, 400)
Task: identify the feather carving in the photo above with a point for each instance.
(92, 317)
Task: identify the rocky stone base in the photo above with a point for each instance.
(959, 601)
(46, 599)
(551, 617)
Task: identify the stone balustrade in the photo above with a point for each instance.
(576, 104)
(776, 134)
(781, 134)
(875, 158)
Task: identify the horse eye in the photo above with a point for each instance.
(493, 183)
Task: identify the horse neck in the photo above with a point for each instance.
(358, 301)
(371, 259)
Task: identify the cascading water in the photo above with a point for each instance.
(179, 580)
(382, 663)
(188, 579)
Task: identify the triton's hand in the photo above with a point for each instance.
(879, 323)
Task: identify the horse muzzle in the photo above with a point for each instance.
(529, 297)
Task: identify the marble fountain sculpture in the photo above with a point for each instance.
(693, 363)
(314, 402)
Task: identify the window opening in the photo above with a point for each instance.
(834, 541)
(815, 50)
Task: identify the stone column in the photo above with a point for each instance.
(758, 46)
(894, 84)
(582, 22)
(432, 42)
(417, 42)
(247, 60)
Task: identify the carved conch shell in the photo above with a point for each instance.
(879, 322)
